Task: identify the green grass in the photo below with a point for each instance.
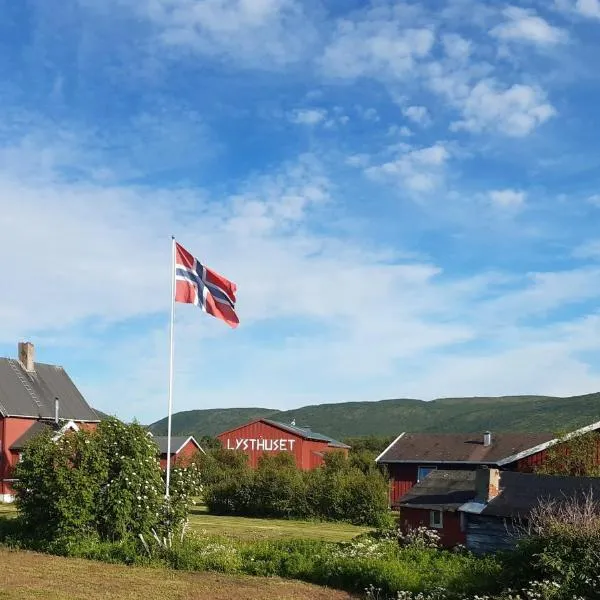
(245, 528)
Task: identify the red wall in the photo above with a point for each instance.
(450, 533)
(12, 428)
(258, 438)
(183, 458)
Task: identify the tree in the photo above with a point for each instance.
(577, 456)
(105, 483)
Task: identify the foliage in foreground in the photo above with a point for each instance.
(342, 490)
(105, 484)
(353, 566)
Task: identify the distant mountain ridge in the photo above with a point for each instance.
(391, 417)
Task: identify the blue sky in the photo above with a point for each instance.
(406, 193)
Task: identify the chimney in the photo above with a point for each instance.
(487, 484)
(487, 439)
(26, 356)
(56, 406)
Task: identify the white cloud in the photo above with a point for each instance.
(457, 47)
(524, 25)
(417, 114)
(379, 45)
(514, 111)
(256, 33)
(588, 8)
(589, 249)
(358, 160)
(507, 198)
(419, 171)
(308, 116)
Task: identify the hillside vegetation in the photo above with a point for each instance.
(390, 417)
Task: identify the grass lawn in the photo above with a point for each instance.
(28, 576)
(244, 528)
(251, 529)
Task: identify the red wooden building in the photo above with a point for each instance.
(34, 397)
(183, 449)
(411, 456)
(265, 436)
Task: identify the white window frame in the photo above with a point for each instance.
(432, 520)
(419, 478)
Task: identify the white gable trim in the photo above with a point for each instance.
(392, 444)
(193, 440)
(68, 426)
(546, 445)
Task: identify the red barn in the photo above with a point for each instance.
(266, 436)
(411, 456)
(33, 397)
(183, 449)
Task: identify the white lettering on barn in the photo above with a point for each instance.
(281, 445)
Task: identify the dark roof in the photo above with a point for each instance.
(24, 394)
(522, 492)
(448, 489)
(306, 433)
(519, 492)
(460, 447)
(37, 428)
(176, 442)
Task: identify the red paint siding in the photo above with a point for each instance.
(258, 438)
(451, 534)
(183, 457)
(12, 429)
(402, 478)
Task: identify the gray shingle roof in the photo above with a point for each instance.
(24, 394)
(522, 492)
(519, 493)
(449, 489)
(461, 447)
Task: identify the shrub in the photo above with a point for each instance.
(338, 491)
(104, 485)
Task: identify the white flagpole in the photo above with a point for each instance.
(171, 366)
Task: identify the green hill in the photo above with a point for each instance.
(391, 417)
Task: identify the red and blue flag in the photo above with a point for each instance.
(199, 285)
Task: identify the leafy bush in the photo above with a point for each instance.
(338, 491)
(99, 485)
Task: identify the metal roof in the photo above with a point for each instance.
(306, 433)
(32, 394)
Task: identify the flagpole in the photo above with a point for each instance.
(170, 366)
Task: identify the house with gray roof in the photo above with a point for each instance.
(34, 397)
(487, 509)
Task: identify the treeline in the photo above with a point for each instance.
(343, 489)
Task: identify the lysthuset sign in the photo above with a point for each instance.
(283, 445)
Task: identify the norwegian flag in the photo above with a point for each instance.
(199, 285)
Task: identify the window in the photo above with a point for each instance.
(422, 472)
(436, 519)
